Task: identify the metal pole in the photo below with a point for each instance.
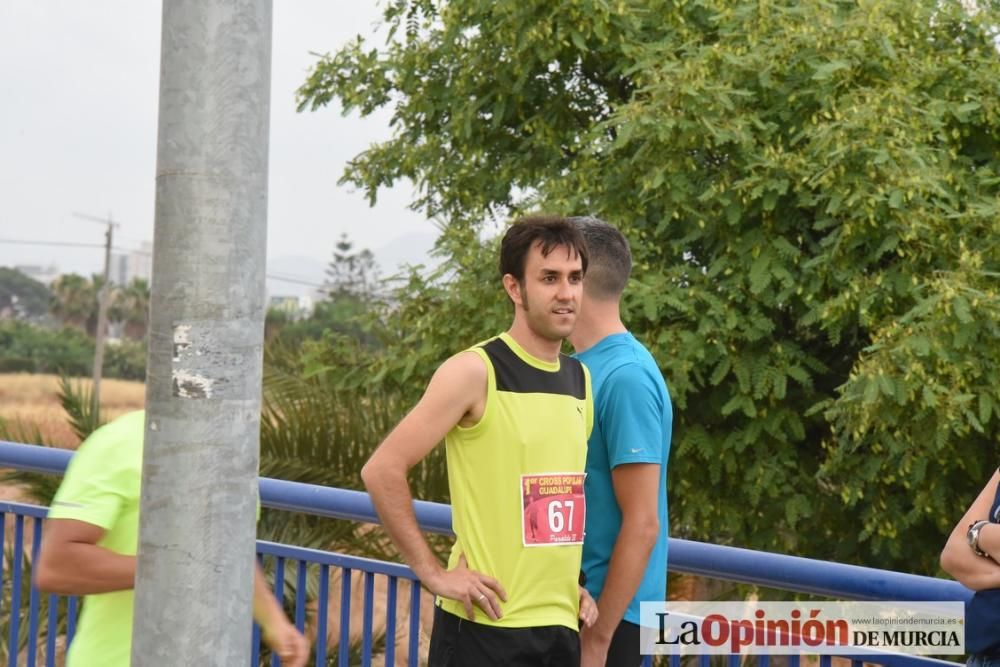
(104, 296)
(198, 505)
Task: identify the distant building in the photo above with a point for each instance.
(125, 267)
(296, 307)
(43, 274)
(119, 269)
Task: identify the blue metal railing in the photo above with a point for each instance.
(274, 493)
(347, 565)
(402, 592)
(14, 578)
(789, 573)
(28, 630)
(805, 575)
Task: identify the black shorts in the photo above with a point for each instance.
(624, 648)
(458, 642)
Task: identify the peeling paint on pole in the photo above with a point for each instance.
(208, 358)
(187, 383)
(191, 385)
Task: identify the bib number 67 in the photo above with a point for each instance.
(558, 520)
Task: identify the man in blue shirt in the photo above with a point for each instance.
(625, 543)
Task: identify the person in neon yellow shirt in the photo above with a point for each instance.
(89, 545)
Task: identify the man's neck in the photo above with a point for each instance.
(597, 321)
(532, 343)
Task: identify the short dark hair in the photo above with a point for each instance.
(550, 231)
(610, 258)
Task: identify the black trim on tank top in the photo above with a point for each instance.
(515, 375)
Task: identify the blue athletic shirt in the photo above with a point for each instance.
(633, 421)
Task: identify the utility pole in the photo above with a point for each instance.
(103, 299)
(194, 575)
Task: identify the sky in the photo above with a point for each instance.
(79, 83)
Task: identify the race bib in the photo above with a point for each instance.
(553, 509)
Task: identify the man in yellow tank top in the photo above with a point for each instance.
(515, 415)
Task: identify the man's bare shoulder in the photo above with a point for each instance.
(466, 368)
(459, 383)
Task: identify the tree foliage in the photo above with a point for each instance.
(811, 194)
(351, 273)
(129, 307)
(29, 348)
(350, 293)
(75, 301)
(21, 296)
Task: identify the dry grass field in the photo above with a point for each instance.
(29, 401)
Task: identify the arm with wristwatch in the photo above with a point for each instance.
(972, 553)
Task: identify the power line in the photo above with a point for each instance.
(133, 252)
(94, 218)
(67, 244)
(292, 280)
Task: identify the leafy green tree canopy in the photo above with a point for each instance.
(811, 194)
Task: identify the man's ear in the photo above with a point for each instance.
(513, 288)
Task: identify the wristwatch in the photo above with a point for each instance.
(973, 537)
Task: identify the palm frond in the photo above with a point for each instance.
(83, 420)
(75, 399)
(40, 486)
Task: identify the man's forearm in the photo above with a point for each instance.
(626, 569)
(78, 568)
(280, 635)
(968, 568)
(390, 493)
(266, 610)
(980, 581)
(972, 571)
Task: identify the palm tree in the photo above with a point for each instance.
(130, 306)
(74, 301)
